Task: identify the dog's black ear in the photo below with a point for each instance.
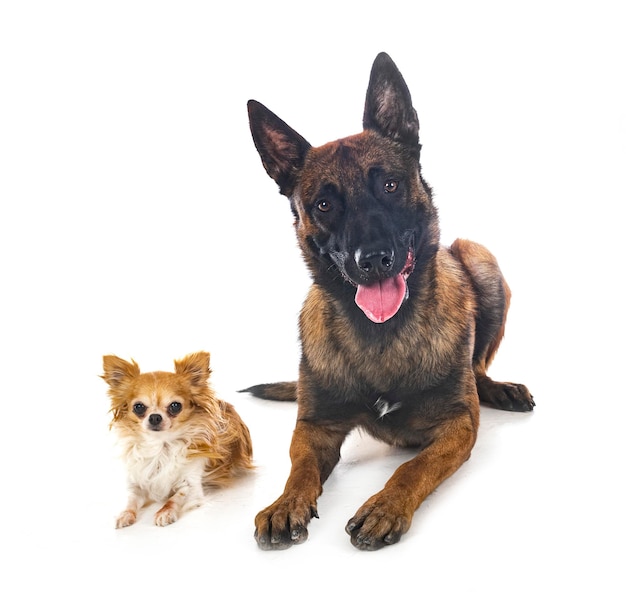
(388, 106)
(281, 148)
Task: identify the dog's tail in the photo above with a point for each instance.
(275, 391)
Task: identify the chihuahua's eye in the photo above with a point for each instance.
(391, 186)
(139, 409)
(175, 408)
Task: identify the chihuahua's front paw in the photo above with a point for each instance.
(126, 518)
(166, 515)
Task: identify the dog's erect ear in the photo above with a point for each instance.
(116, 370)
(281, 148)
(196, 367)
(388, 106)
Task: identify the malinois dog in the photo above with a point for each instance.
(397, 331)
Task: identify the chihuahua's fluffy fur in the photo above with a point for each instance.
(176, 436)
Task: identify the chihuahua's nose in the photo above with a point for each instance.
(155, 419)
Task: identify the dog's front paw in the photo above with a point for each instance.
(126, 518)
(166, 515)
(377, 523)
(283, 524)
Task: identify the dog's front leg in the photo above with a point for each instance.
(187, 494)
(136, 501)
(387, 515)
(314, 453)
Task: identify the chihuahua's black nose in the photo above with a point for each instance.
(155, 419)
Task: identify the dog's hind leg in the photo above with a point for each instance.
(492, 304)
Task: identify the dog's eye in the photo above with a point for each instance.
(323, 205)
(391, 186)
(175, 408)
(139, 409)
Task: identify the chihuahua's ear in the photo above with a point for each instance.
(196, 367)
(116, 370)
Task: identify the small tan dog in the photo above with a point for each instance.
(177, 437)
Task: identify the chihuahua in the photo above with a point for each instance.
(177, 437)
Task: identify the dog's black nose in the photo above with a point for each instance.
(155, 419)
(376, 262)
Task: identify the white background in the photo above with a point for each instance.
(136, 219)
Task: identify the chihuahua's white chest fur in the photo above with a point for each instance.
(159, 466)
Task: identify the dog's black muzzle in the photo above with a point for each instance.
(375, 263)
(378, 260)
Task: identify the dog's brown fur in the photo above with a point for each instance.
(363, 216)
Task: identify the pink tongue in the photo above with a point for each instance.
(381, 300)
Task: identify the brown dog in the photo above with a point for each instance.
(397, 332)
